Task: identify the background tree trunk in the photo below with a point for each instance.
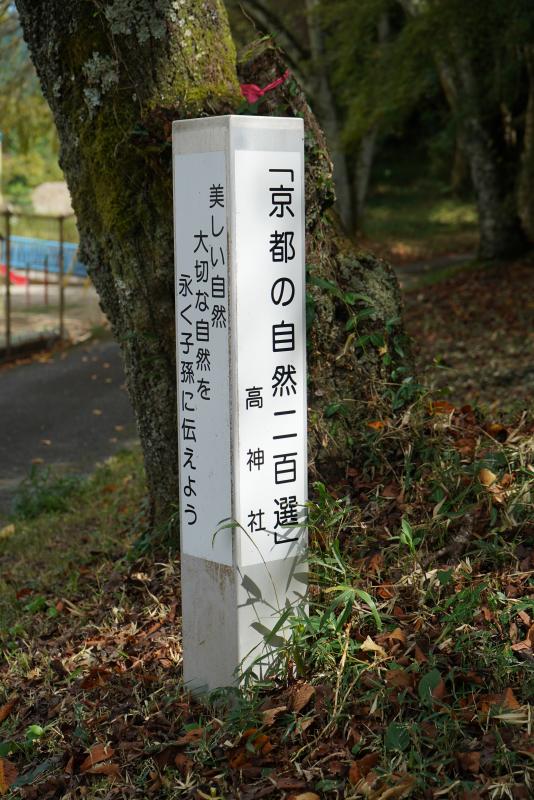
(329, 116)
(116, 73)
(501, 233)
(526, 177)
(307, 58)
(362, 175)
(492, 157)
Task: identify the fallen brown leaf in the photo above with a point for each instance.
(519, 646)
(239, 759)
(191, 736)
(399, 679)
(385, 591)
(8, 775)
(304, 723)
(506, 700)
(305, 796)
(441, 407)
(466, 445)
(259, 741)
(524, 617)
(470, 761)
(402, 788)
(302, 696)
(398, 634)
(360, 769)
(439, 692)
(509, 699)
(109, 770)
(270, 714)
(289, 783)
(100, 752)
(368, 646)
(376, 563)
(99, 676)
(6, 710)
(487, 477)
(419, 655)
(183, 764)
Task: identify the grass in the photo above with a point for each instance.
(60, 525)
(42, 492)
(409, 675)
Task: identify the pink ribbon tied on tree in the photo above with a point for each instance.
(252, 93)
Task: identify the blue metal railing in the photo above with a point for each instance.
(39, 254)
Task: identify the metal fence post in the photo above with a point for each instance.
(61, 275)
(8, 283)
(46, 280)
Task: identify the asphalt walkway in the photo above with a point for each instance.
(68, 411)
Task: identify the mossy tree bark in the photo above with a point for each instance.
(116, 73)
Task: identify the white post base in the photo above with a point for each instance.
(227, 614)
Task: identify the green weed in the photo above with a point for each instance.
(43, 492)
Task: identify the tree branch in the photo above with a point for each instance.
(270, 22)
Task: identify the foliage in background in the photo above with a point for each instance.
(456, 80)
(380, 83)
(477, 56)
(30, 147)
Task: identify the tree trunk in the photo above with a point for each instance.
(328, 114)
(367, 147)
(526, 178)
(491, 157)
(482, 143)
(362, 175)
(492, 171)
(490, 164)
(116, 74)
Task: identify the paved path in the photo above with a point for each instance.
(70, 411)
(31, 318)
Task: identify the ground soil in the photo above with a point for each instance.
(474, 335)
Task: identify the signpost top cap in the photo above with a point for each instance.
(240, 121)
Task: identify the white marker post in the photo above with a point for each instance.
(241, 365)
